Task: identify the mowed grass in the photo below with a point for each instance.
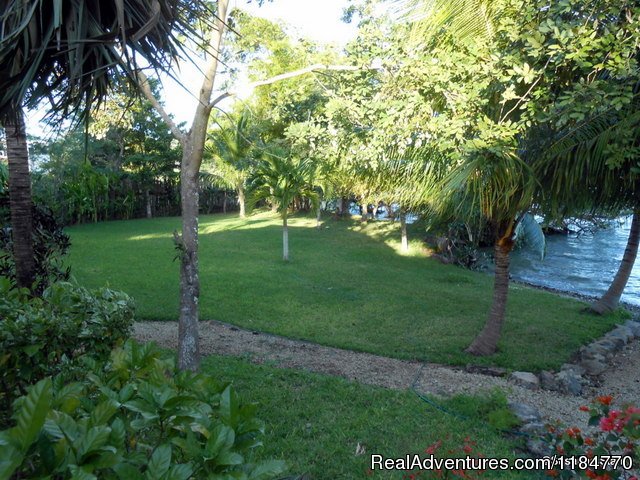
(315, 423)
(347, 285)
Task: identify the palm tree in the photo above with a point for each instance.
(20, 204)
(231, 152)
(69, 53)
(281, 179)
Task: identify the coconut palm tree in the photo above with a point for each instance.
(579, 169)
(69, 53)
(281, 179)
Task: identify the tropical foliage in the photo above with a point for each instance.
(135, 417)
(45, 336)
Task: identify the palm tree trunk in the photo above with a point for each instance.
(486, 342)
(285, 239)
(242, 201)
(20, 199)
(319, 215)
(224, 202)
(610, 300)
(343, 206)
(188, 344)
(403, 230)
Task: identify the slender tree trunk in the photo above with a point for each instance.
(20, 202)
(148, 202)
(242, 201)
(486, 342)
(403, 230)
(285, 239)
(610, 300)
(319, 215)
(224, 202)
(343, 206)
(188, 344)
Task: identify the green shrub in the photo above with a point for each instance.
(135, 417)
(43, 336)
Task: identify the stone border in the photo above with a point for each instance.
(591, 361)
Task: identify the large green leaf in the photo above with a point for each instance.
(92, 441)
(179, 472)
(78, 473)
(32, 413)
(103, 413)
(10, 459)
(268, 470)
(529, 233)
(222, 438)
(159, 463)
(229, 406)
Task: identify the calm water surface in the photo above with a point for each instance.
(584, 264)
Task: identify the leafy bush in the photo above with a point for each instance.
(135, 417)
(611, 452)
(50, 242)
(43, 336)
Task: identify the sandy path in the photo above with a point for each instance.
(623, 379)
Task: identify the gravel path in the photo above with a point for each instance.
(622, 380)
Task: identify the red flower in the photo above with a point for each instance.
(551, 473)
(433, 447)
(589, 441)
(573, 432)
(612, 422)
(584, 408)
(605, 399)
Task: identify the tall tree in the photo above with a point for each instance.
(532, 58)
(20, 199)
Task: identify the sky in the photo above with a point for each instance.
(318, 20)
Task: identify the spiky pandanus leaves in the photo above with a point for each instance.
(67, 51)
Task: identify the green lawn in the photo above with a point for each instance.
(347, 286)
(315, 422)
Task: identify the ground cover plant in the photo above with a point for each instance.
(346, 285)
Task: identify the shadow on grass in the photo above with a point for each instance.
(346, 286)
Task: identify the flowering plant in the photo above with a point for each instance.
(610, 452)
(468, 449)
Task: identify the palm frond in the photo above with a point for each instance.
(578, 170)
(70, 51)
(466, 20)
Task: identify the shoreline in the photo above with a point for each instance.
(569, 294)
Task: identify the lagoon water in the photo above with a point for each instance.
(583, 264)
